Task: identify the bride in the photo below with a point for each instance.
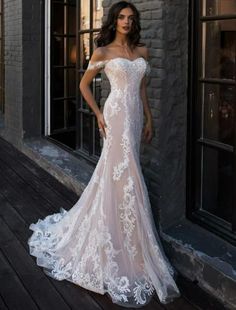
(107, 242)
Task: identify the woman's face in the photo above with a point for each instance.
(124, 20)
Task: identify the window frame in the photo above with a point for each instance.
(80, 111)
(204, 219)
(92, 137)
(2, 60)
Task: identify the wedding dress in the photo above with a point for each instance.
(107, 242)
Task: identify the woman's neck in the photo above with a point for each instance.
(121, 39)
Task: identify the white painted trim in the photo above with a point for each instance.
(47, 115)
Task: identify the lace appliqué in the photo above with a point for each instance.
(108, 140)
(96, 65)
(116, 286)
(114, 105)
(61, 270)
(119, 169)
(128, 217)
(141, 290)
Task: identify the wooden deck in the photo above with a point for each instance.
(28, 193)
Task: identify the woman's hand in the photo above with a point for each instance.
(148, 131)
(101, 124)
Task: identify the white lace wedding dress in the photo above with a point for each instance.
(107, 242)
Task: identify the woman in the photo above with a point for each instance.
(108, 242)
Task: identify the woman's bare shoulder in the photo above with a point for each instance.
(99, 54)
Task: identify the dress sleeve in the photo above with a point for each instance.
(96, 65)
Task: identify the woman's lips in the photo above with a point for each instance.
(125, 28)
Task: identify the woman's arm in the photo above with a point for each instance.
(148, 129)
(87, 93)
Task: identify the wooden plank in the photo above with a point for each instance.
(11, 289)
(39, 172)
(153, 304)
(2, 303)
(20, 202)
(106, 303)
(74, 296)
(15, 189)
(35, 183)
(180, 304)
(41, 290)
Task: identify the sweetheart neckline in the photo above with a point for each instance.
(131, 60)
(109, 60)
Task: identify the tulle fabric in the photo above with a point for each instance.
(107, 242)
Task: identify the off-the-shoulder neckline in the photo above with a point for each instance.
(108, 60)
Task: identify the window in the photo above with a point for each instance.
(212, 117)
(74, 26)
(2, 73)
(88, 138)
(63, 80)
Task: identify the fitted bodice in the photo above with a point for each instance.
(123, 73)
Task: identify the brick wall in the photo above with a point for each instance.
(22, 23)
(33, 63)
(13, 70)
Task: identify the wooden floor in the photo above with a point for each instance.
(28, 193)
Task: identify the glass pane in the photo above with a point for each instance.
(85, 14)
(57, 114)
(71, 2)
(84, 50)
(85, 106)
(86, 132)
(70, 113)
(1, 74)
(219, 7)
(97, 13)
(58, 51)
(72, 20)
(217, 187)
(58, 18)
(219, 49)
(96, 88)
(219, 112)
(72, 51)
(58, 83)
(71, 82)
(98, 140)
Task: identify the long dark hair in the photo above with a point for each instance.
(108, 31)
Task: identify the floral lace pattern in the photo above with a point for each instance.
(107, 242)
(127, 216)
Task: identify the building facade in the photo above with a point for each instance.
(190, 165)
